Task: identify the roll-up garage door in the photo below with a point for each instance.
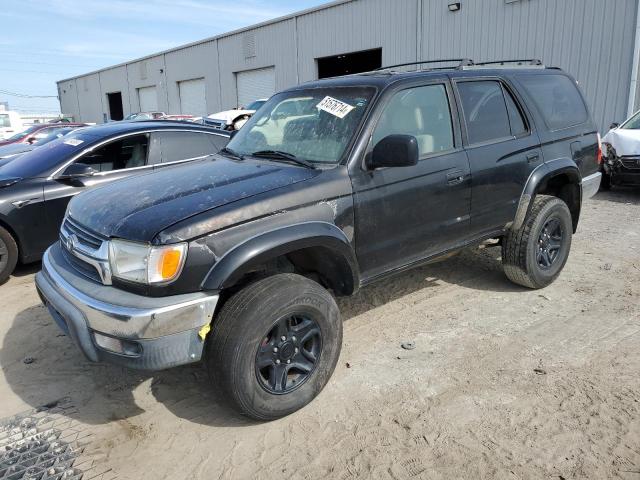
(148, 99)
(192, 97)
(255, 84)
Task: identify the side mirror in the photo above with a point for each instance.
(394, 151)
(31, 140)
(77, 170)
(614, 125)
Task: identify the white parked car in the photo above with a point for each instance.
(621, 151)
(10, 124)
(236, 118)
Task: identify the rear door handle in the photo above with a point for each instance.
(455, 178)
(533, 157)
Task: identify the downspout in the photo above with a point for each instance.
(636, 63)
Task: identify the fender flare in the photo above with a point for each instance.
(538, 177)
(261, 248)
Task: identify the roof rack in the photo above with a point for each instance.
(527, 62)
(460, 61)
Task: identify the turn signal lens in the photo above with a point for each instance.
(170, 263)
(599, 154)
(165, 263)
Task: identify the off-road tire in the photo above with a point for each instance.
(8, 255)
(520, 247)
(238, 336)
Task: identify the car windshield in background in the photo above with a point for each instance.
(315, 125)
(255, 105)
(41, 161)
(633, 123)
(51, 134)
(23, 134)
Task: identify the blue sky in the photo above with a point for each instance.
(47, 40)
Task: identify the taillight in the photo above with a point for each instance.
(599, 154)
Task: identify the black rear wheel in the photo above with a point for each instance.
(274, 345)
(8, 255)
(534, 255)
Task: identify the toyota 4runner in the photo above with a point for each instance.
(236, 259)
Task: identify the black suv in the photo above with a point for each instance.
(236, 259)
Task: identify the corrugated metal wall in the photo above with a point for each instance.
(592, 39)
(197, 61)
(115, 80)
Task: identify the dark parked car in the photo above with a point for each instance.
(44, 136)
(36, 187)
(37, 132)
(241, 257)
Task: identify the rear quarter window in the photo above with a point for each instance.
(558, 99)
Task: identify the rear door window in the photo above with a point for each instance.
(516, 119)
(485, 111)
(558, 99)
(178, 146)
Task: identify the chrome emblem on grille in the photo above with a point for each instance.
(72, 241)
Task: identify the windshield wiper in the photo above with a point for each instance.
(231, 153)
(280, 155)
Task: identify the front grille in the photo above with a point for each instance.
(86, 251)
(82, 267)
(632, 163)
(215, 124)
(85, 237)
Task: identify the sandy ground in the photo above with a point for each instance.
(503, 382)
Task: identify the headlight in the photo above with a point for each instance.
(141, 263)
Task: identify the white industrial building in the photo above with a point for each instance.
(595, 40)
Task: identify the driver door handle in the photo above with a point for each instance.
(454, 178)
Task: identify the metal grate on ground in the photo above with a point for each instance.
(46, 444)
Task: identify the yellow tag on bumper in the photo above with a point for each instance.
(204, 331)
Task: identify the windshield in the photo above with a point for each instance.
(255, 105)
(23, 134)
(51, 134)
(633, 123)
(315, 125)
(41, 161)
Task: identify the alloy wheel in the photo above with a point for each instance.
(288, 354)
(549, 243)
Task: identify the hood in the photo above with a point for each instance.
(138, 208)
(229, 115)
(625, 141)
(14, 149)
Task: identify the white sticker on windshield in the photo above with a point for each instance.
(334, 107)
(74, 142)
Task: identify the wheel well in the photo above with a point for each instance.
(320, 264)
(566, 189)
(13, 233)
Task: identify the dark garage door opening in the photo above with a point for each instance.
(348, 63)
(115, 106)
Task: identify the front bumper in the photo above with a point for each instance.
(152, 333)
(624, 170)
(591, 185)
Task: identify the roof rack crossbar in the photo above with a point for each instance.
(525, 61)
(460, 61)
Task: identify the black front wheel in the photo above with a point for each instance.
(8, 255)
(275, 345)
